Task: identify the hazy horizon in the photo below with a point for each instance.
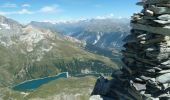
(26, 11)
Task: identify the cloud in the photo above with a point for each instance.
(8, 5)
(26, 5)
(25, 11)
(2, 13)
(7, 13)
(45, 9)
(21, 12)
(50, 9)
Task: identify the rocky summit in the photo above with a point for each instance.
(146, 74)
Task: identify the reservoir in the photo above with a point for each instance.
(33, 84)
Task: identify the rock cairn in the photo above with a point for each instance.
(146, 74)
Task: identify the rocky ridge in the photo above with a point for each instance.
(146, 74)
(105, 33)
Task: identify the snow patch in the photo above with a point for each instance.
(25, 94)
(85, 71)
(47, 50)
(96, 97)
(98, 38)
(39, 58)
(122, 35)
(6, 26)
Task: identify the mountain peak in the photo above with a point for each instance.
(9, 27)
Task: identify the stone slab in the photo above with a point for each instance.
(165, 78)
(158, 30)
(159, 10)
(162, 22)
(164, 17)
(140, 3)
(164, 71)
(156, 1)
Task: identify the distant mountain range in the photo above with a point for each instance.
(29, 52)
(103, 33)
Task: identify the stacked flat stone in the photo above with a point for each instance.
(146, 75)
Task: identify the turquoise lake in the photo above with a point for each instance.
(33, 84)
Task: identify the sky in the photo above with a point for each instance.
(26, 11)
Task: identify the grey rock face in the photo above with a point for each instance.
(9, 27)
(146, 74)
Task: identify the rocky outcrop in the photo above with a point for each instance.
(146, 74)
